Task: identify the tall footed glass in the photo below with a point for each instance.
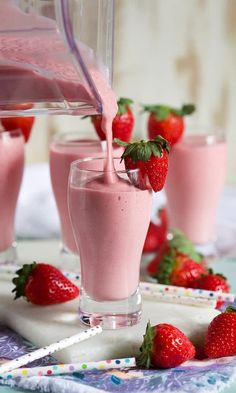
(11, 172)
(110, 218)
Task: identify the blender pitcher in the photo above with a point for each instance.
(49, 50)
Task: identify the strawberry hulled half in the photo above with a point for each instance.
(167, 121)
(151, 158)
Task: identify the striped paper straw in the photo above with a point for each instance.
(49, 349)
(70, 368)
(190, 292)
(179, 299)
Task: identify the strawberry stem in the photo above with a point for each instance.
(123, 105)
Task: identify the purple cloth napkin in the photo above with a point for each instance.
(194, 376)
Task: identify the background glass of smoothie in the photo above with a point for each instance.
(64, 149)
(11, 172)
(110, 218)
(195, 181)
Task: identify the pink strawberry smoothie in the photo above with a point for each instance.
(110, 222)
(197, 168)
(62, 154)
(11, 171)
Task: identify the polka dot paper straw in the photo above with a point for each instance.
(49, 349)
(179, 299)
(187, 292)
(70, 368)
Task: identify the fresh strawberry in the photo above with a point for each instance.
(221, 335)
(123, 122)
(25, 124)
(43, 284)
(177, 263)
(213, 282)
(166, 121)
(151, 158)
(164, 346)
(157, 233)
(185, 271)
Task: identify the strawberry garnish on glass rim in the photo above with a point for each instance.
(167, 121)
(151, 158)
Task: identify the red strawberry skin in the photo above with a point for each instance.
(25, 124)
(221, 336)
(165, 346)
(186, 271)
(152, 172)
(157, 233)
(213, 282)
(171, 128)
(157, 169)
(44, 285)
(122, 126)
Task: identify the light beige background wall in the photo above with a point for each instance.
(170, 51)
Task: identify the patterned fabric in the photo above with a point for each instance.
(192, 377)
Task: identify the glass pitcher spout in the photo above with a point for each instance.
(49, 52)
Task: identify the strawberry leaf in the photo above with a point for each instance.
(145, 357)
(123, 105)
(184, 246)
(186, 110)
(120, 142)
(163, 111)
(21, 280)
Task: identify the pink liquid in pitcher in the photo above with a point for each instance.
(195, 180)
(11, 171)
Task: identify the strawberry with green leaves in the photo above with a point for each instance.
(164, 346)
(221, 335)
(178, 264)
(151, 158)
(123, 123)
(43, 284)
(167, 121)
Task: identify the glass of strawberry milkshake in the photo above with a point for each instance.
(11, 172)
(110, 218)
(195, 181)
(64, 149)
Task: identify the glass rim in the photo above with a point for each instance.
(59, 140)
(208, 138)
(74, 166)
(10, 133)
